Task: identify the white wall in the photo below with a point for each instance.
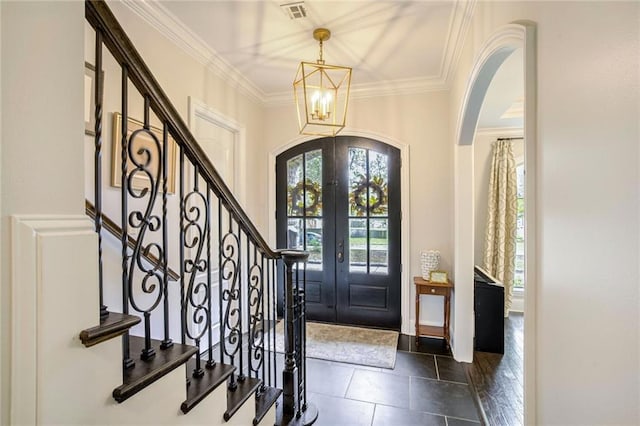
(4, 318)
(42, 125)
(420, 122)
(587, 214)
(181, 76)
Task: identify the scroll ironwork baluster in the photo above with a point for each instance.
(256, 316)
(195, 227)
(145, 168)
(230, 271)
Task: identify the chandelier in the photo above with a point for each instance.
(321, 93)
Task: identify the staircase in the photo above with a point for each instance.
(193, 332)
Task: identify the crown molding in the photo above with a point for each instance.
(373, 90)
(500, 131)
(458, 27)
(165, 22)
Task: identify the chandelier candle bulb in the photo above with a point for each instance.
(429, 261)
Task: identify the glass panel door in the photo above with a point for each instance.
(368, 214)
(339, 199)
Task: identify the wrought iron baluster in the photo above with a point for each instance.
(241, 375)
(126, 355)
(294, 404)
(249, 316)
(290, 373)
(145, 166)
(183, 306)
(166, 342)
(298, 337)
(303, 335)
(268, 321)
(256, 316)
(262, 321)
(221, 327)
(210, 362)
(274, 265)
(230, 271)
(195, 227)
(97, 190)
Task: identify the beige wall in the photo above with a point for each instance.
(421, 123)
(41, 126)
(587, 204)
(181, 76)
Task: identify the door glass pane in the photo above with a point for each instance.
(313, 179)
(357, 182)
(357, 245)
(314, 244)
(378, 189)
(378, 246)
(294, 177)
(295, 234)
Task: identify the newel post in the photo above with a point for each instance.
(296, 410)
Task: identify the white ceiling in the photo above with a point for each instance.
(393, 46)
(505, 91)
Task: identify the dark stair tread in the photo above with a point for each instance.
(264, 401)
(237, 397)
(146, 372)
(200, 387)
(113, 325)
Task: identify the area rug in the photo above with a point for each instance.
(353, 345)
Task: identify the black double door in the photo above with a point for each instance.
(339, 199)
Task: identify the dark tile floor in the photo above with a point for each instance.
(426, 387)
(498, 379)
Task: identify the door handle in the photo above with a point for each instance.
(341, 251)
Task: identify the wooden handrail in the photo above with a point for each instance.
(102, 19)
(115, 230)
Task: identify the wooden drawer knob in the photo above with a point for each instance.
(433, 290)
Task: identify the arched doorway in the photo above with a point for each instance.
(339, 199)
(494, 52)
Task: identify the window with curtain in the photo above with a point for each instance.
(518, 275)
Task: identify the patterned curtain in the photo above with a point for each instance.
(500, 241)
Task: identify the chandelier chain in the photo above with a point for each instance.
(321, 60)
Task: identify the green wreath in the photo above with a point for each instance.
(373, 193)
(296, 198)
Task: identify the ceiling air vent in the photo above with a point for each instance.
(295, 10)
